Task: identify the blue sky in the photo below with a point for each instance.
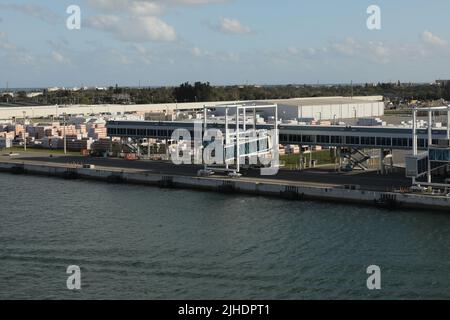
(166, 42)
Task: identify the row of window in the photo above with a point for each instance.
(140, 132)
(289, 138)
(351, 140)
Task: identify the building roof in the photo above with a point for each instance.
(326, 101)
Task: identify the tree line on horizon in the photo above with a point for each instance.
(205, 92)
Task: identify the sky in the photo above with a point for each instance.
(225, 42)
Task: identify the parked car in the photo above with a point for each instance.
(205, 173)
(234, 174)
(418, 189)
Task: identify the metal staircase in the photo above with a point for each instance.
(356, 159)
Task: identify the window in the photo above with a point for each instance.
(162, 133)
(112, 131)
(368, 141)
(294, 138)
(384, 141)
(323, 139)
(131, 132)
(352, 140)
(400, 142)
(336, 140)
(284, 138)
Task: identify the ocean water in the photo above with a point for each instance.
(135, 242)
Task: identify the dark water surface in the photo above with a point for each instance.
(134, 242)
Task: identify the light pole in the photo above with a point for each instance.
(64, 133)
(24, 131)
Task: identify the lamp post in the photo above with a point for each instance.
(64, 133)
(24, 131)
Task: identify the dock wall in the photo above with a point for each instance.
(226, 185)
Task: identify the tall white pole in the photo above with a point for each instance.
(65, 137)
(24, 132)
(205, 127)
(414, 132)
(277, 136)
(226, 137)
(414, 138)
(448, 123)
(245, 119)
(430, 128)
(238, 151)
(430, 142)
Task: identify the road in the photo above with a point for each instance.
(325, 177)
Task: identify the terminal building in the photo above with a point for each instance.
(333, 108)
(351, 140)
(323, 108)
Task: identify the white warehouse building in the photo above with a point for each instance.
(323, 108)
(330, 108)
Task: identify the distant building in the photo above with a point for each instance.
(324, 108)
(443, 83)
(53, 89)
(34, 94)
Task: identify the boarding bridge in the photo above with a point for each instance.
(386, 137)
(434, 161)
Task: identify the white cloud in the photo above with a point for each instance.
(59, 58)
(233, 26)
(135, 7)
(349, 47)
(371, 51)
(431, 39)
(5, 44)
(197, 52)
(137, 29)
(118, 57)
(145, 7)
(109, 5)
(196, 2)
(216, 56)
(143, 54)
(140, 20)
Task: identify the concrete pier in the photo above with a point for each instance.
(251, 186)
